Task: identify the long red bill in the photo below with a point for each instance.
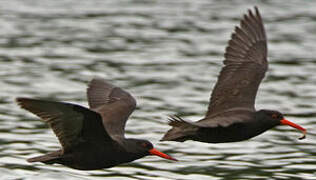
(154, 151)
(289, 123)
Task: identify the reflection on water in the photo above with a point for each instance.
(168, 55)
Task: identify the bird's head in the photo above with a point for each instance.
(145, 148)
(276, 118)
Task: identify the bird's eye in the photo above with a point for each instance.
(274, 116)
(145, 145)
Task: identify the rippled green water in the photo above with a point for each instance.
(168, 55)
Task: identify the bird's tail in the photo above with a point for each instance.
(49, 158)
(181, 130)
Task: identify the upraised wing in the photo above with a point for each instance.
(71, 123)
(245, 66)
(113, 103)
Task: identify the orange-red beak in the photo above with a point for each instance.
(289, 123)
(154, 151)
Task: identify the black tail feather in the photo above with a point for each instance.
(181, 130)
(175, 121)
(49, 158)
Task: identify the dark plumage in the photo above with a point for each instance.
(231, 114)
(91, 138)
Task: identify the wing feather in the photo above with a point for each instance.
(113, 103)
(245, 66)
(71, 123)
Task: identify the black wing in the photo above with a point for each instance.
(113, 103)
(245, 66)
(69, 122)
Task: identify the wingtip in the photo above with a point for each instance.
(97, 81)
(21, 100)
(89, 84)
(18, 99)
(24, 101)
(256, 9)
(250, 13)
(93, 80)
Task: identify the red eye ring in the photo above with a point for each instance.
(144, 144)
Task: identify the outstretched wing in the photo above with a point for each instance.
(113, 103)
(71, 123)
(245, 66)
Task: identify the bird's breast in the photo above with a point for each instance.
(235, 132)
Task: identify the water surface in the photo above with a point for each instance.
(168, 55)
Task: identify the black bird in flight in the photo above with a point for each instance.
(91, 138)
(231, 114)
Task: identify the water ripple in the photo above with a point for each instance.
(168, 55)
